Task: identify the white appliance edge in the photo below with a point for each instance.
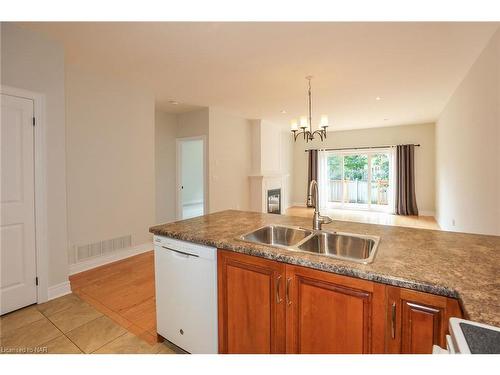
(186, 294)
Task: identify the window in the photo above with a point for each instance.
(359, 179)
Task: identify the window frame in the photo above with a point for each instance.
(369, 205)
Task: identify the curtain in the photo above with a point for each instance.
(406, 202)
(322, 179)
(312, 170)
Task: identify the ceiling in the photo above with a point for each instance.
(257, 69)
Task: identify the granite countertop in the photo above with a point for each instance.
(459, 265)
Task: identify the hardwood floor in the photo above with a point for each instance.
(370, 217)
(124, 291)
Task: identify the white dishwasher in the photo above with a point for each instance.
(186, 294)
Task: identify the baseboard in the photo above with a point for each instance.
(118, 255)
(59, 290)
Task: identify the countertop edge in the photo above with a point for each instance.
(340, 269)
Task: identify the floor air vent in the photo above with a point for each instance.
(96, 249)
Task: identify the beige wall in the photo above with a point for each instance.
(110, 159)
(468, 149)
(33, 63)
(422, 134)
(165, 166)
(230, 161)
(193, 123)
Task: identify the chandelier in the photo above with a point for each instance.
(305, 123)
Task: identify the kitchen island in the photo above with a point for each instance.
(459, 266)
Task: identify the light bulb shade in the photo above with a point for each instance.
(324, 121)
(303, 122)
(294, 125)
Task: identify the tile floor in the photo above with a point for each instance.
(70, 325)
(124, 291)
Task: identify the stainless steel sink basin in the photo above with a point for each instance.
(276, 235)
(345, 246)
(341, 245)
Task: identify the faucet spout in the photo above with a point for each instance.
(318, 220)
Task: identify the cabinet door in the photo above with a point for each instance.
(251, 304)
(333, 314)
(417, 320)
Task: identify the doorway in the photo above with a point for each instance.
(191, 173)
(18, 285)
(361, 180)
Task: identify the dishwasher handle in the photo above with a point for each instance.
(181, 252)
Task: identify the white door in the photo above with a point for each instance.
(17, 225)
(191, 177)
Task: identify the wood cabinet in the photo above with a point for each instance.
(251, 304)
(328, 313)
(417, 321)
(268, 307)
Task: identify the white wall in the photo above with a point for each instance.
(287, 165)
(271, 162)
(192, 171)
(423, 134)
(230, 161)
(468, 149)
(110, 159)
(270, 148)
(30, 62)
(165, 166)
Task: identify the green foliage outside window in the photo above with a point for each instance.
(356, 167)
(380, 167)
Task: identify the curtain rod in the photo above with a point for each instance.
(354, 148)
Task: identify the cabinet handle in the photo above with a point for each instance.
(393, 320)
(288, 300)
(181, 252)
(278, 283)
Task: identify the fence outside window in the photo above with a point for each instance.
(356, 191)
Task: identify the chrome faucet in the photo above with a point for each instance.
(318, 220)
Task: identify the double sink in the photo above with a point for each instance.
(345, 246)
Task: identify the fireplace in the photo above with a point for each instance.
(274, 201)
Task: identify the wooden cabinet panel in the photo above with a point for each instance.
(268, 307)
(421, 327)
(334, 314)
(251, 306)
(417, 320)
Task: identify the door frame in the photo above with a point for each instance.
(178, 171)
(40, 171)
